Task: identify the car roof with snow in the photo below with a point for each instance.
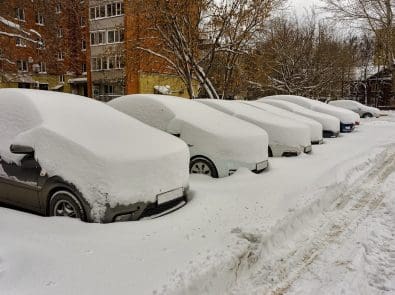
(167, 112)
(344, 115)
(86, 122)
(243, 110)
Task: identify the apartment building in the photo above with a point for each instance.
(117, 68)
(43, 45)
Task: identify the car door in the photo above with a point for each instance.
(19, 183)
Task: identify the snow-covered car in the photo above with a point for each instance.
(219, 144)
(286, 137)
(330, 124)
(68, 155)
(346, 117)
(315, 127)
(362, 110)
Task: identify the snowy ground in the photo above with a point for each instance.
(316, 224)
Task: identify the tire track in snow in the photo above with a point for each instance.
(277, 266)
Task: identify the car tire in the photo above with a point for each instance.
(63, 203)
(201, 165)
(367, 115)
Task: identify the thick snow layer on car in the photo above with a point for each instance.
(315, 127)
(213, 132)
(345, 116)
(282, 131)
(324, 220)
(329, 123)
(356, 107)
(111, 158)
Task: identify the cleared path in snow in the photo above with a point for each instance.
(362, 261)
(325, 222)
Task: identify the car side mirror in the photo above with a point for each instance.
(28, 162)
(21, 149)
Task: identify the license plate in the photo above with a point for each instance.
(170, 196)
(261, 165)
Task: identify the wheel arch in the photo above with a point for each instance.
(55, 185)
(204, 158)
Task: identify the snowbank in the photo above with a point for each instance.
(283, 133)
(207, 131)
(111, 158)
(315, 127)
(329, 123)
(246, 231)
(345, 116)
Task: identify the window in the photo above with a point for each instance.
(96, 64)
(82, 21)
(83, 68)
(115, 36)
(22, 65)
(20, 14)
(58, 8)
(107, 63)
(39, 19)
(119, 62)
(109, 10)
(20, 42)
(98, 38)
(83, 44)
(61, 78)
(120, 9)
(98, 12)
(60, 55)
(108, 89)
(43, 67)
(59, 33)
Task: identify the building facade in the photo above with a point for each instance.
(117, 67)
(43, 45)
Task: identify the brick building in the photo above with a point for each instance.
(43, 45)
(117, 67)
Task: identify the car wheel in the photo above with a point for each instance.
(65, 204)
(200, 165)
(367, 115)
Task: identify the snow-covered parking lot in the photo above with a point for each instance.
(320, 223)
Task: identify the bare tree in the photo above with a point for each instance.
(376, 15)
(303, 58)
(190, 35)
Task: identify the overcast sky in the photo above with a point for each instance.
(300, 6)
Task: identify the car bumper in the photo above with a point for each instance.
(308, 149)
(315, 142)
(346, 128)
(165, 202)
(330, 134)
(257, 168)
